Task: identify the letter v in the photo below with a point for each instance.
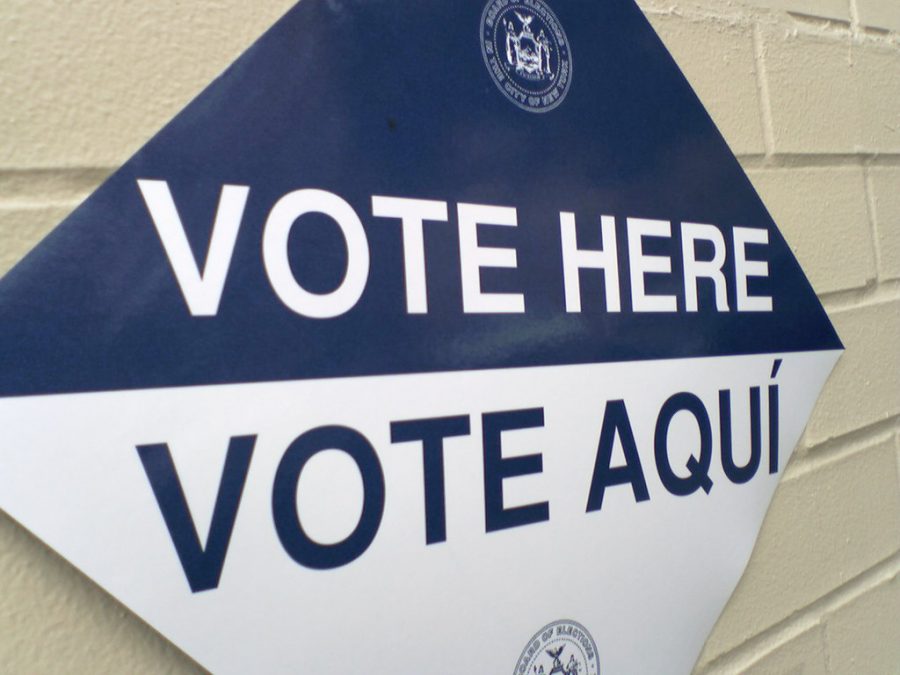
(202, 291)
(202, 565)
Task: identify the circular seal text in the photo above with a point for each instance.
(527, 53)
(559, 648)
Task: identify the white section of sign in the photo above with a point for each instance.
(646, 579)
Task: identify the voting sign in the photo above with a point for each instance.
(437, 337)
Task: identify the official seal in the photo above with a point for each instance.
(559, 648)
(527, 53)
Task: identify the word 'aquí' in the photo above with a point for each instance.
(203, 564)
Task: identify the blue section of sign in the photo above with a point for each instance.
(389, 98)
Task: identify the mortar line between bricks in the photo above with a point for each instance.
(6, 172)
(38, 184)
(48, 202)
(897, 453)
(826, 650)
(756, 647)
(825, 160)
(817, 455)
(804, 23)
(854, 31)
(873, 219)
(762, 85)
(854, 20)
(874, 293)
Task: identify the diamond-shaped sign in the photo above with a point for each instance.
(430, 338)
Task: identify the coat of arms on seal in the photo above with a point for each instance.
(559, 648)
(526, 52)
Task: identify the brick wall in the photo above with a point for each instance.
(807, 92)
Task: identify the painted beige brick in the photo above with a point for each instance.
(823, 528)
(827, 9)
(863, 389)
(805, 654)
(863, 637)
(823, 214)
(877, 91)
(87, 83)
(717, 59)
(54, 620)
(827, 97)
(884, 14)
(886, 197)
(811, 94)
(23, 227)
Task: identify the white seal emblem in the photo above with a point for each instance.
(560, 648)
(527, 53)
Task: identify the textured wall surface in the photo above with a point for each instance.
(807, 92)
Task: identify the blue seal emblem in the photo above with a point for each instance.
(559, 648)
(527, 53)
